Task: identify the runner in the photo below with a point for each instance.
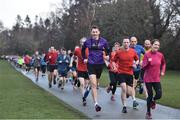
(154, 65)
(96, 45)
(27, 60)
(37, 64)
(72, 70)
(147, 48)
(125, 58)
(63, 64)
(43, 64)
(20, 62)
(139, 50)
(52, 59)
(113, 71)
(82, 70)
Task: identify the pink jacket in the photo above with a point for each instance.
(153, 64)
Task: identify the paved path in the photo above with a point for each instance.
(110, 109)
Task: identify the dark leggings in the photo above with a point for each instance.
(113, 81)
(158, 91)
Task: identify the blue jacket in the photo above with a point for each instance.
(139, 50)
(43, 62)
(63, 62)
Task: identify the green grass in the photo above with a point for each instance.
(21, 99)
(170, 85)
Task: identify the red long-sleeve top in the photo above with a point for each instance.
(153, 64)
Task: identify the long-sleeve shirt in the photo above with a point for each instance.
(63, 63)
(153, 64)
(125, 60)
(140, 51)
(96, 48)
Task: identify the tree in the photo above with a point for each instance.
(27, 21)
(1, 26)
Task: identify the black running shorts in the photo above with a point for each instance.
(52, 68)
(125, 78)
(83, 74)
(95, 69)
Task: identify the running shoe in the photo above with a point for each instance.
(62, 88)
(112, 98)
(50, 85)
(54, 81)
(97, 108)
(124, 110)
(135, 104)
(148, 115)
(84, 101)
(153, 104)
(60, 83)
(37, 79)
(108, 89)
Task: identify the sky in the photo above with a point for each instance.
(9, 9)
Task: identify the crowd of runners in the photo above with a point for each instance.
(130, 66)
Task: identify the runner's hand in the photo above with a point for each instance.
(85, 60)
(162, 73)
(106, 57)
(149, 59)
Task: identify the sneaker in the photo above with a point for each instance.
(50, 85)
(153, 104)
(37, 79)
(97, 108)
(60, 83)
(108, 89)
(112, 98)
(84, 101)
(124, 110)
(148, 115)
(135, 104)
(54, 81)
(62, 88)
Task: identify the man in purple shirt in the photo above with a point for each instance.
(95, 61)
